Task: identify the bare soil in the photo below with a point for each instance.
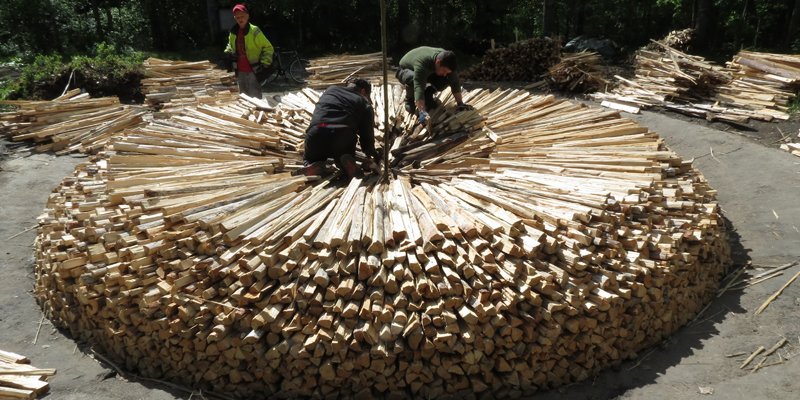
(758, 187)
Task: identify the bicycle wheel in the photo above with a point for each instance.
(297, 71)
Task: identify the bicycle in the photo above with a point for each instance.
(296, 71)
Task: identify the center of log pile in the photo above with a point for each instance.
(527, 244)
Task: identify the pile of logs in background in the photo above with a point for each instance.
(753, 86)
(177, 83)
(578, 72)
(525, 60)
(335, 70)
(524, 245)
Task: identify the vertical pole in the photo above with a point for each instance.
(385, 95)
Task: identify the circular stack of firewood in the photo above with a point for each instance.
(526, 244)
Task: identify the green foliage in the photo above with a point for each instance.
(108, 63)
(108, 71)
(44, 72)
(794, 105)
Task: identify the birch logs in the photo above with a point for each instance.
(524, 245)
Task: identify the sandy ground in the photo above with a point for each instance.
(758, 189)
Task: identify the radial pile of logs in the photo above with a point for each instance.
(333, 70)
(180, 83)
(578, 72)
(526, 60)
(526, 244)
(19, 379)
(72, 122)
(753, 86)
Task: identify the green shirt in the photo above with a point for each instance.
(422, 61)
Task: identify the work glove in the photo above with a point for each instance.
(464, 107)
(261, 71)
(423, 117)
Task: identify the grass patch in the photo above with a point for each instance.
(794, 105)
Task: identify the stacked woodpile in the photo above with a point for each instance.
(335, 70)
(526, 244)
(677, 39)
(526, 60)
(751, 87)
(182, 83)
(19, 379)
(70, 123)
(665, 77)
(577, 72)
(762, 82)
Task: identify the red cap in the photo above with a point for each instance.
(240, 7)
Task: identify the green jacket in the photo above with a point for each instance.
(422, 61)
(256, 45)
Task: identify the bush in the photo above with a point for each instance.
(38, 78)
(110, 72)
(107, 72)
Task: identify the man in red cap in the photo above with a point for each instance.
(250, 49)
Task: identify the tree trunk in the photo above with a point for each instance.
(212, 11)
(548, 18)
(702, 23)
(402, 23)
(109, 20)
(793, 30)
(98, 27)
(580, 19)
(158, 31)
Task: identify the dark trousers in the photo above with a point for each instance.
(437, 84)
(323, 143)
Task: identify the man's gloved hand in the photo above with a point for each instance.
(464, 107)
(423, 117)
(261, 71)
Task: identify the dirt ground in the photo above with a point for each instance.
(758, 188)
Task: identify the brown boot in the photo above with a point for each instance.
(313, 169)
(348, 165)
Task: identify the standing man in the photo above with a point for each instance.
(428, 65)
(250, 50)
(341, 115)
